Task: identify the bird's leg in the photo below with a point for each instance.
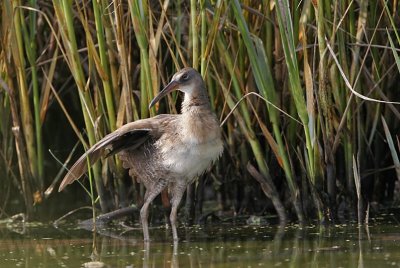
(151, 193)
(177, 192)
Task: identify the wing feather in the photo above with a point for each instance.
(115, 142)
(128, 137)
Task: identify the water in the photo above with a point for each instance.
(42, 245)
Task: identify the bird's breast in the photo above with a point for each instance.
(187, 157)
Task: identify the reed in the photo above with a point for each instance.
(298, 88)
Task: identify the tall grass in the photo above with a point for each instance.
(279, 75)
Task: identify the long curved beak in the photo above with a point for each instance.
(170, 87)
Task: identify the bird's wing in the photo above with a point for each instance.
(127, 137)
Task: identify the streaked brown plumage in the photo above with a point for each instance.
(165, 150)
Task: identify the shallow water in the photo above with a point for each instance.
(210, 246)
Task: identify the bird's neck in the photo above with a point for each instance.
(196, 102)
(198, 122)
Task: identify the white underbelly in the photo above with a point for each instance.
(191, 161)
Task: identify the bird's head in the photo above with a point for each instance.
(186, 80)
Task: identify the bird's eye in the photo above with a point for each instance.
(185, 77)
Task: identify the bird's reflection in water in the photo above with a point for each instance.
(234, 245)
(150, 258)
(175, 260)
(146, 258)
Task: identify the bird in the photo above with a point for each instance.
(167, 151)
